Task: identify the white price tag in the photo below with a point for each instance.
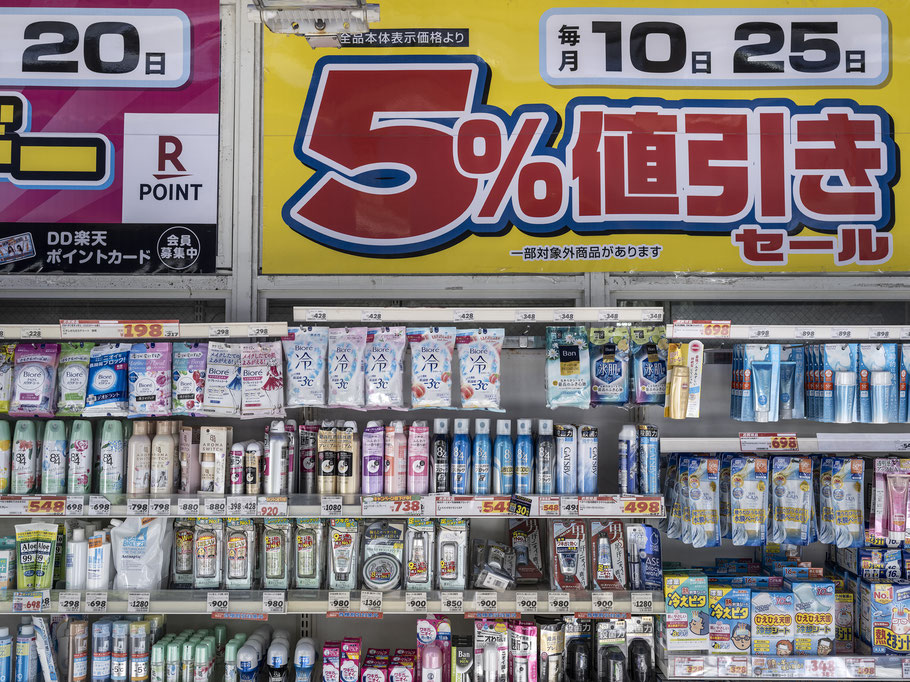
(608, 315)
(371, 600)
(257, 330)
(339, 601)
(69, 602)
(526, 316)
(415, 602)
(96, 602)
(137, 507)
(372, 315)
(879, 333)
(316, 315)
(759, 333)
(558, 602)
(98, 505)
(31, 601)
(642, 602)
(272, 506)
(841, 333)
(652, 316)
(807, 333)
(75, 505)
(548, 506)
(217, 602)
(138, 602)
(214, 506)
(219, 331)
(526, 602)
(274, 602)
(188, 506)
(234, 506)
(568, 506)
(486, 601)
(601, 602)
(463, 316)
(905, 333)
(331, 505)
(30, 333)
(453, 602)
(159, 507)
(563, 315)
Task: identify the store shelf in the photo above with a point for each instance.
(679, 666)
(858, 443)
(524, 600)
(474, 315)
(714, 330)
(136, 330)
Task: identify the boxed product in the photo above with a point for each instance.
(730, 624)
(885, 616)
(773, 628)
(452, 553)
(436, 631)
(608, 555)
(491, 649)
(522, 651)
(524, 534)
(687, 621)
(843, 623)
(568, 555)
(462, 661)
(814, 616)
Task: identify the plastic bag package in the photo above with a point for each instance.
(568, 368)
(480, 366)
(648, 349)
(305, 351)
(704, 491)
(7, 358)
(346, 351)
(609, 365)
(748, 500)
(385, 367)
(140, 550)
(150, 379)
(222, 395)
(262, 379)
(847, 474)
(431, 365)
(34, 380)
(188, 379)
(108, 384)
(72, 378)
(791, 487)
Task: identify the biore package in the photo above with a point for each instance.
(72, 378)
(814, 607)
(491, 650)
(479, 364)
(880, 358)
(730, 619)
(791, 498)
(150, 379)
(568, 368)
(385, 367)
(704, 473)
(568, 555)
(773, 629)
(431, 365)
(34, 380)
(223, 386)
(262, 381)
(305, 350)
(524, 535)
(686, 603)
(648, 348)
(108, 386)
(7, 358)
(792, 392)
(837, 358)
(345, 366)
(645, 567)
(748, 500)
(608, 555)
(188, 379)
(522, 651)
(760, 386)
(609, 365)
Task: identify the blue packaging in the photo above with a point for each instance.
(482, 457)
(877, 357)
(730, 625)
(645, 567)
(26, 656)
(566, 459)
(757, 352)
(568, 368)
(101, 651)
(609, 365)
(461, 458)
(6, 658)
(649, 359)
(107, 394)
(587, 460)
(524, 459)
(835, 357)
(796, 355)
(648, 459)
(503, 459)
(628, 460)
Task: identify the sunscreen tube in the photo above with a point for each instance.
(787, 388)
(897, 499)
(844, 397)
(761, 390)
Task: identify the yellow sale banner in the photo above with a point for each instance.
(522, 137)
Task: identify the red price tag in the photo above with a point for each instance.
(641, 507)
(52, 506)
(496, 505)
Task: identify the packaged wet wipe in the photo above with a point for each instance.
(7, 358)
(262, 392)
(385, 366)
(34, 380)
(345, 366)
(305, 350)
(72, 378)
(847, 501)
(479, 362)
(649, 347)
(748, 500)
(222, 394)
(609, 365)
(704, 502)
(188, 379)
(792, 500)
(150, 379)
(431, 365)
(108, 392)
(568, 368)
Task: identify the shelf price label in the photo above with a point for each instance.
(526, 602)
(371, 315)
(31, 601)
(694, 329)
(152, 329)
(69, 602)
(31, 333)
(526, 316)
(253, 330)
(759, 333)
(415, 602)
(463, 316)
(601, 602)
(96, 602)
(564, 315)
(520, 505)
(339, 601)
(99, 505)
(274, 602)
(558, 602)
(159, 507)
(452, 602)
(493, 506)
(214, 506)
(649, 506)
(241, 505)
(568, 506)
(642, 602)
(331, 506)
(75, 505)
(45, 506)
(316, 315)
(841, 333)
(217, 602)
(608, 315)
(220, 331)
(392, 505)
(188, 506)
(879, 333)
(371, 601)
(486, 601)
(138, 602)
(137, 507)
(548, 506)
(272, 506)
(768, 442)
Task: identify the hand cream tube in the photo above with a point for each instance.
(897, 506)
(761, 390)
(787, 376)
(26, 539)
(45, 551)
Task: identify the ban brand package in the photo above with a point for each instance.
(72, 378)
(704, 492)
(648, 349)
(108, 381)
(150, 379)
(792, 500)
(305, 350)
(222, 395)
(262, 392)
(568, 367)
(345, 365)
(479, 361)
(188, 379)
(34, 380)
(748, 500)
(609, 365)
(431, 365)
(7, 358)
(385, 366)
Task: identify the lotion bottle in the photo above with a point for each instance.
(138, 463)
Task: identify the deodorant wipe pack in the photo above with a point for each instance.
(34, 380)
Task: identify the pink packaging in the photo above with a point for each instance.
(406, 652)
(436, 631)
(402, 672)
(378, 652)
(349, 670)
(523, 649)
(262, 380)
(150, 379)
(352, 647)
(34, 380)
(188, 379)
(374, 671)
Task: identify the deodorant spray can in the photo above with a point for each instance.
(290, 427)
(628, 460)
(587, 460)
(79, 473)
(566, 459)
(482, 458)
(110, 458)
(373, 465)
(275, 475)
(306, 443)
(546, 458)
(439, 456)
(461, 458)
(503, 459)
(419, 459)
(524, 459)
(53, 458)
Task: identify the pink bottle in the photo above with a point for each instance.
(396, 459)
(419, 459)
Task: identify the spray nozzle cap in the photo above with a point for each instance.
(481, 426)
(462, 425)
(440, 426)
(545, 427)
(524, 427)
(503, 427)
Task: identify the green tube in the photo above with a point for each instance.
(26, 541)
(45, 554)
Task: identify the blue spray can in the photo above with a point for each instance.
(566, 459)
(26, 655)
(482, 458)
(461, 458)
(628, 460)
(546, 458)
(587, 460)
(101, 651)
(503, 459)
(6, 656)
(524, 459)
(648, 459)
